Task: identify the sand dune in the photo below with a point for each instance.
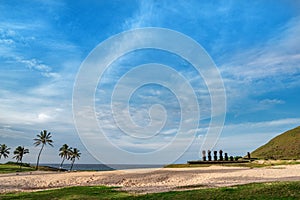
(149, 180)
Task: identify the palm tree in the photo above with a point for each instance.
(43, 138)
(4, 151)
(74, 153)
(19, 153)
(64, 153)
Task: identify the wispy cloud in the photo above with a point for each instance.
(37, 65)
(271, 101)
(278, 57)
(271, 66)
(255, 45)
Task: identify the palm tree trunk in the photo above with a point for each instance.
(62, 162)
(72, 165)
(38, 159)
(21, 163)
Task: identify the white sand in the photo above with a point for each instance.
(149, 180)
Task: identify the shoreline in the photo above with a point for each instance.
(149, 180)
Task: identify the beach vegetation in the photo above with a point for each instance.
(43, 139)
(74, 154)
(258, 191)
(12, 167)
(19, 153)
(253, 164)
(64, 153)
(4, 151)
(283, 146)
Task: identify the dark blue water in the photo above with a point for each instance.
(101, 167)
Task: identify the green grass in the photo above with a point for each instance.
(187, 165)
(265, 163)
(276, 190)
(81, 192)
(279, 190)
(12, 168)
(254, 164)
(284, 146)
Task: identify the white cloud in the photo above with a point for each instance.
(43, 117)
(8, 132)
(48, 103)
(253, 73)
(34, 64)
(6, 41)
(143, 17)
(271, 102)
(11, 41)
(278, 57)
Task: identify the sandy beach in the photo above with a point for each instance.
(149, 180)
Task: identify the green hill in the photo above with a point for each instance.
(284, 146)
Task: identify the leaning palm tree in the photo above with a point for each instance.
(64, 153)
(43, 138)
(74, 153)
(4, 151)
(19, 152)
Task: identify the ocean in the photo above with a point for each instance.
(101, 167)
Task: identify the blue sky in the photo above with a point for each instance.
(255, 47)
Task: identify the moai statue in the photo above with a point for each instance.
(221, 155)
(204, 155)
(215, 155)
(231, 158)
(209, 155)
(226, 156)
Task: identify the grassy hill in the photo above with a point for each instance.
(284, 146)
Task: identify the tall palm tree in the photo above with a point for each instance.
(74, 153)
(4, 151)
(43, 138)
(19, 152)
(64, 153)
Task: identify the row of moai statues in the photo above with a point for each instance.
(215, 157)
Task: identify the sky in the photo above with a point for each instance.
(44, 46)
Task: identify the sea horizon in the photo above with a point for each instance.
(102, 167)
